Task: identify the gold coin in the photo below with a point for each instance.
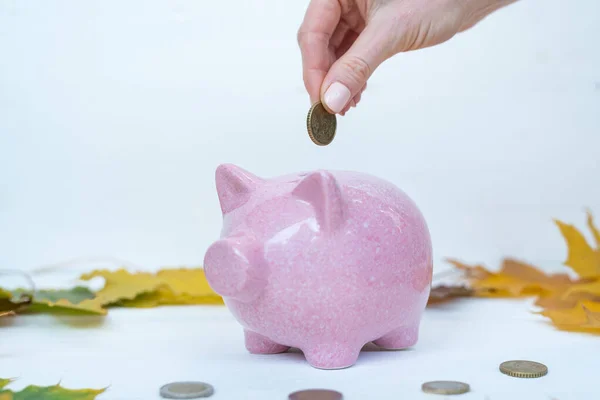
(445, 387)
(321, 125)
(315, 394)
(523, 369)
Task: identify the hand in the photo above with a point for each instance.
(344, 41)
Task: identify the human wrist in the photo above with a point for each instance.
(476, 10)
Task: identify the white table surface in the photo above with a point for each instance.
(135, 351)
(113, 117)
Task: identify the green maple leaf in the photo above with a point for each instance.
(75, 295)
(76, 300)
(4, 382)
(55, 392)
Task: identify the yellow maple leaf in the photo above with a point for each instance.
(122, 285)
(581, 257)
(514, 279)
(190, 281)
(593, 318)
(165, 297)
(593, 229)
(590, 287)
(182, 286)
(559, 300)
(584, 317)
(571, 304)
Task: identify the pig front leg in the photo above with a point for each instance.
(259, 344)
(400, 338)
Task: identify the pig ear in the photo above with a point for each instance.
(234, 186)
(321, 190)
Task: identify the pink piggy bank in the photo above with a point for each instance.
(325, 262)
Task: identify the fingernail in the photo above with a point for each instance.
(336, 97)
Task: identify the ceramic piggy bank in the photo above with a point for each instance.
(324, 261)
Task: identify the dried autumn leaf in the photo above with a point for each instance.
(484, 282)
(591, 288)
(122, 285)
(443, 293)
(186, 281)
(582, 318)
(529, 273)
(570, 304)
(75, 295)
(558, 300)
(9, 306)
(514, 279)
(581, 257)
(72, 301)
(186, 286)
(55, 392)
(471, 271)
(164, 297)
(593, 229)
(183, 286)
(593, 318)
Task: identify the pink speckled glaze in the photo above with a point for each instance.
(325, 261)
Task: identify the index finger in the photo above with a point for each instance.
(320, 21)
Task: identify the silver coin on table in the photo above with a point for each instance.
(186, 390)
(445, 387)
(315, 394)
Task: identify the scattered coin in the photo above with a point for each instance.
(321, 125)
(445, 387)
(523, 369)
(315, 394)
(186, 390)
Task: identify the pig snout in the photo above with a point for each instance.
(235, 268)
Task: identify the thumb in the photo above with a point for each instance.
(349, 74)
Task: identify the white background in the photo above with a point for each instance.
(115, 114)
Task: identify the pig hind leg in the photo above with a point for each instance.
(400, 338)
(332, 355)
(259, 344)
